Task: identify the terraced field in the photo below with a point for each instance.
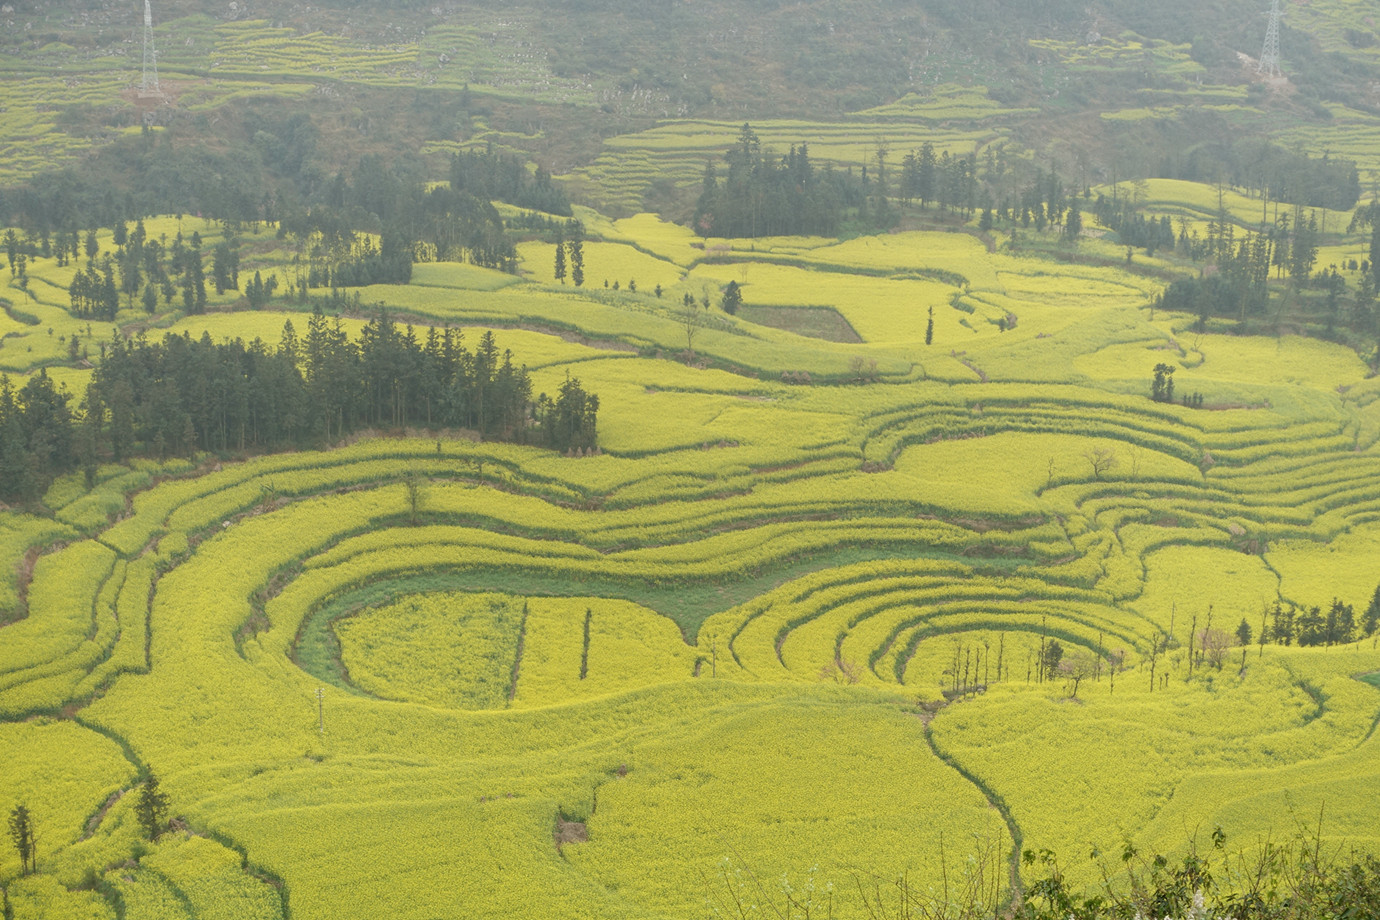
(205, 63)
(677, 151)
(790, 629)
(783, 628)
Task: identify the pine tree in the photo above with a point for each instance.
(733, 298)
(196, 283)
(1073, 221)
(577, 262)
(1304, 254)
(1053, 654)
(110, 294)
(560, 259)
(1371, 621)
(1375, 248)
(152, 808)
(925, 174)
(22, 834)
(220, 268)
(15, 475)
(929, 329)
(89, 435)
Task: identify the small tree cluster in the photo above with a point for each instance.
(1296, 881)
(1076, 667)
(970, 671)
(258, 291)
(1162, 387)
(36, 437)
(1311, 626)
(571, 421)
(570, 254)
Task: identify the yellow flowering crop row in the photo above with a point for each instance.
(62, 772)
(210, 881)
(602, 262)
(66, 632)
(1097, 770)
(146, 895)
(43, 896)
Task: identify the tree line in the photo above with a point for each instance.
(417, 223)
(762, 195)
(765, 195)
(184, 395)
(1237, 284)
(277, 166)
(413, 223)
(498, 177)
(1272, 171)
(949, 181)
(1309, 626)
(334, 219)
(1304, 626)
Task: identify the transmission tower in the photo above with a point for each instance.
(1269, 55)
(149, 89)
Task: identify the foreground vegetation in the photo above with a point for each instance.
(1288, 881)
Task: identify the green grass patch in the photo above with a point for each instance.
(688, 605)
(814, 322)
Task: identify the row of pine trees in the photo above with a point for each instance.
(182, 395)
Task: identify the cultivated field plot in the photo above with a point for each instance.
(1112, 54)
(794, 617)
(677, 151)
(204, 63)
(1351, 135)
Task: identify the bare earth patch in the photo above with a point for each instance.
(99, 816)
(570, 832)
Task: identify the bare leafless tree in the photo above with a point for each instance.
(1101, 459)
(689, 316)
(1076, 667)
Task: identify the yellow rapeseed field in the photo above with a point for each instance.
(787, 623)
